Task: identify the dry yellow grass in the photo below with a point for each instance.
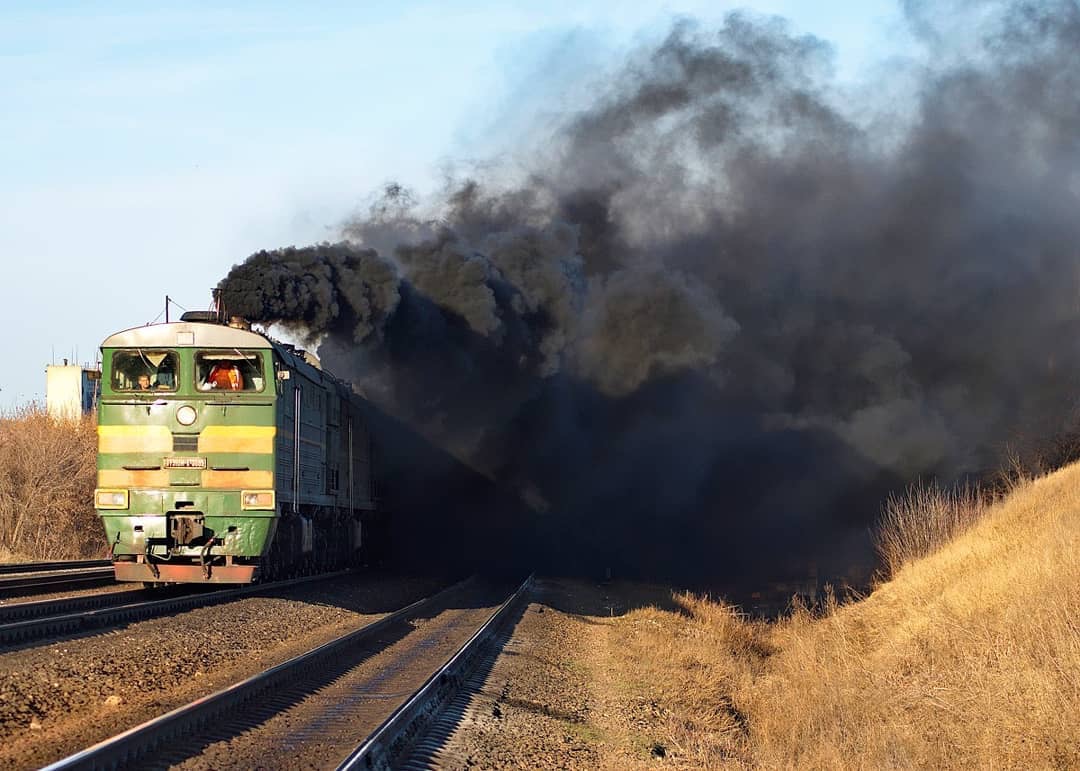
(968, 658)
(680, 672)
(47, 476)
(8, 557)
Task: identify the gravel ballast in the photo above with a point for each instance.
(57, 699)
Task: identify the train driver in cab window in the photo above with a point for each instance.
(143, 382)
(225, 376)
(165, 379)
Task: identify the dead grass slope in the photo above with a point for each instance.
(967, 658)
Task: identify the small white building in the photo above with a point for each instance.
(71, 390)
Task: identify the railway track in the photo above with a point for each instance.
(413, 735)
(385, 681)
(46, 567)
(54, 580)
(21, 611)
(26, 622)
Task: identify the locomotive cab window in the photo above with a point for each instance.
(229, 371)
(143, 369)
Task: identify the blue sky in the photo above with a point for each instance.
(147, 147)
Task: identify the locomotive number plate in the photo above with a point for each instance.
(184, 463)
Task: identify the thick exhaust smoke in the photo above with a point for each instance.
(730, 308)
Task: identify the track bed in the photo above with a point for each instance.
(57, 699)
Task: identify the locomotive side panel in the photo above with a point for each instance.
(357, 454)
(324, 461)
(312, 426)
(301, 447)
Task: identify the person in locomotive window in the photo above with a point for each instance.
(143, 382)
(225, 376)
(165, 378)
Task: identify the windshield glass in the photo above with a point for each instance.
(143, 369)
(228, 371)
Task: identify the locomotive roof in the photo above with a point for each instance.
(186, 334)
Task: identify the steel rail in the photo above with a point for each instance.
(48, 567)
(36, 628)
(383, 749)
(45, 582)
(135, 743)
(80, 603)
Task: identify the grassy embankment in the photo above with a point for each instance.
(47, 477)
(968, 656)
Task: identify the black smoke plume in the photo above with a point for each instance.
(733, 304)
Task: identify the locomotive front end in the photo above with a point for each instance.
(186, 436)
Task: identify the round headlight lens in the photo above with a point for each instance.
(186, 415)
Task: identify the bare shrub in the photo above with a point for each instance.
(924, 518)
(47, 475)
(1059, 450)
(1026, 458)
(1015, 471)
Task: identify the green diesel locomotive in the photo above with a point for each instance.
(225, 456)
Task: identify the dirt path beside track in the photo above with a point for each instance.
(559, 696)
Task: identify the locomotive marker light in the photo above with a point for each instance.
(186, 415)
(111, 499)
(257, 499)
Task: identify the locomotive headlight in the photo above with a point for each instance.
(257, 499)
(186, 415)
(111, 499)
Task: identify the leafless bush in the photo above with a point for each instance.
(1060, 450)
(1028, 457)
(924, 518)
(47, 478)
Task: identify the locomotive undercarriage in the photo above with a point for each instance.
(306, 543)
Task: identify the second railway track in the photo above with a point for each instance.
(25, 622)
(48, 567)
(55, 580)
(380, 681)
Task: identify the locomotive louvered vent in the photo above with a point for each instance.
(185, 442)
